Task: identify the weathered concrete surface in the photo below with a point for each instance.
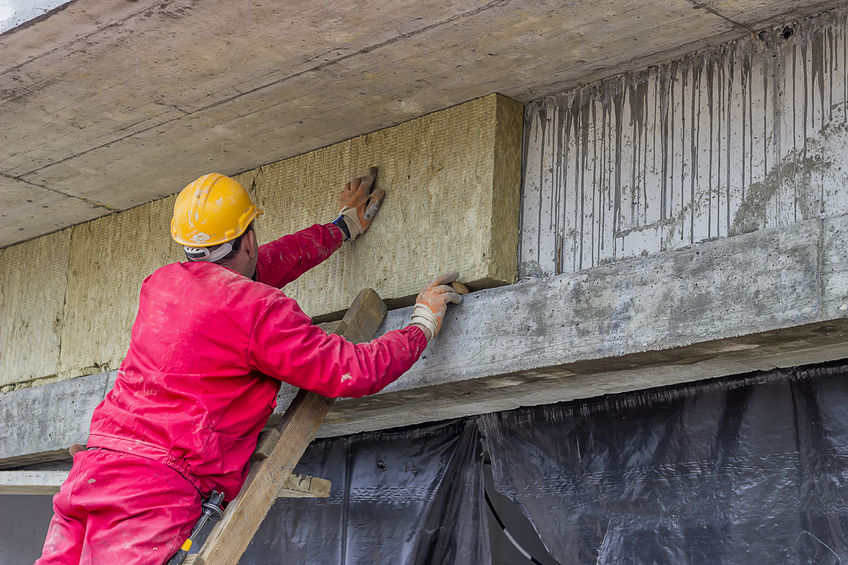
(31, 482)
(771, 298)
(112, 104)
(741, 137)
(27, 210)
(762, 12)
(41, 423)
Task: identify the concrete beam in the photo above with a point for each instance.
(771, 298)
(41, 423)
(606, 177)
(49, 482)
(31, 482)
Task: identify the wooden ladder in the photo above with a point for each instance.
(279, 449)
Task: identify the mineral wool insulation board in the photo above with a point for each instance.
(108, 260)
(452, 181)
(452, 195)
(33, 281)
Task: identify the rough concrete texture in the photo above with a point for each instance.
(758, 301)
(17, 12)
(759, 14)
(40, 423)
(246, 83)
(108, 260)
(452, 181)
(772, 298)
(734, 139)
(27, 210)
(31, 482)
(33, 280)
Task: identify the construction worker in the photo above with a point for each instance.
(212, 341)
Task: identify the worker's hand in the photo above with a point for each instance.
(432, 302)
(359, 205)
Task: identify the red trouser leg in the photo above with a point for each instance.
(120, 508)
(66, 533)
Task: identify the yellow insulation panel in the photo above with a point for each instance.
(68, 300)
(506, 180)
(452, 182)
(33, 277)
(109, 259)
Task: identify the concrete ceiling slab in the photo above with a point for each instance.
(121, 102)
(17, 12)
(27, 210)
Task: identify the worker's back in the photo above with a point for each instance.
(185, 394)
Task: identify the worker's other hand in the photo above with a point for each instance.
(432, 302)
(359, 204)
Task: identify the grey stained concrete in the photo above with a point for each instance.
(773, 298)
(42, 422)
(32, 482)
(745, 136)
(106, 105)
(14, 13)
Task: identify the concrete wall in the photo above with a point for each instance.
(67, 300)
(742, 137)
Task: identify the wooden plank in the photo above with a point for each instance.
(48, 482)
(231, 536)
(334, 327)
(33, 458)
(268, 438)
(304, 486)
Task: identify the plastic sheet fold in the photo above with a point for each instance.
(750, 470)
(407, 496)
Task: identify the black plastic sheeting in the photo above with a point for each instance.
(410, 496)
(741, 470)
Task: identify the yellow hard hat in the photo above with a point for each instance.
(210, 211)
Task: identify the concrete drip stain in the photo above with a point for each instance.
(738, 137)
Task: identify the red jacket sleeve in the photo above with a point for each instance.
(286, 346)
(283, 260)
